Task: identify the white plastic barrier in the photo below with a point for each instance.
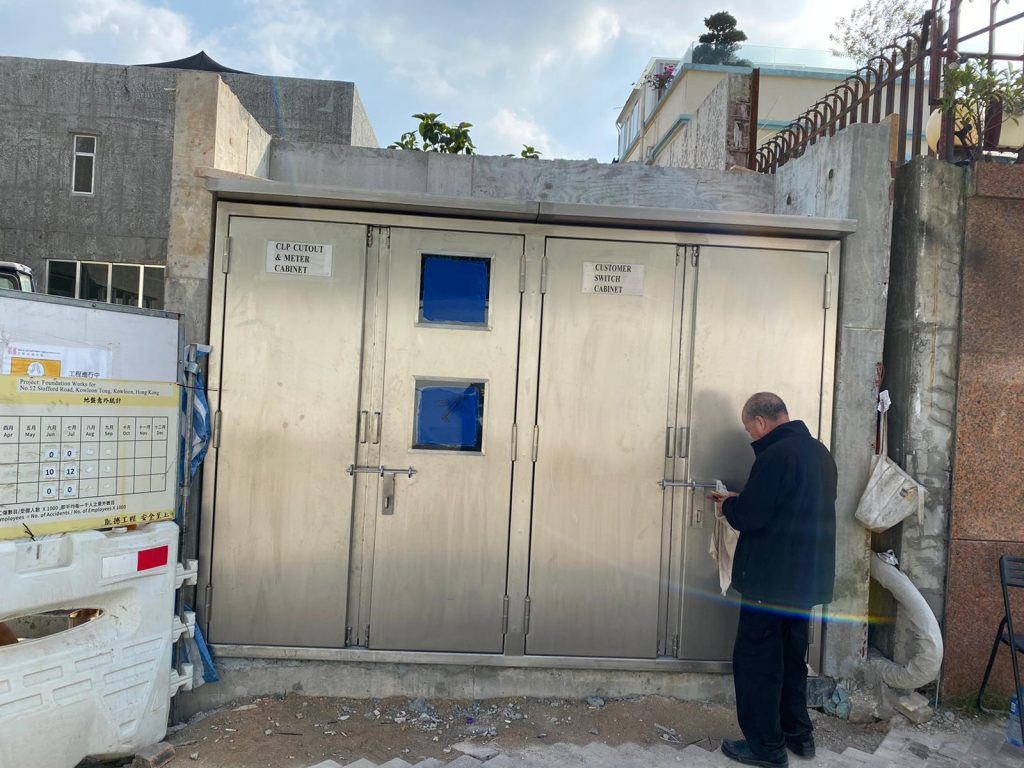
(102, 688)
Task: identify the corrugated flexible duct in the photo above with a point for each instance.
(924, 666)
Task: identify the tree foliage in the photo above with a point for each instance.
(874, 25)
(719, 44)
(434, 135)
(981, 96)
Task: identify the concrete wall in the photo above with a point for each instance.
(718, 134)
(131, 110)
(921, 347)
(211, 130)
(988, 484)
(848, 175)
(568, 181)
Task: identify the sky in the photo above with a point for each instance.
(553, 74)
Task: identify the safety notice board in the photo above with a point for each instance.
(85, 453)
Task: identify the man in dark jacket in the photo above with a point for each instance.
(784, 565)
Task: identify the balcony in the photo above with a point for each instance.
(768, 56)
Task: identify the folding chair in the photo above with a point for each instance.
(1011, 574)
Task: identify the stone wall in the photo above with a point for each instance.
(717, 135)
(921, 346)
(988, 481)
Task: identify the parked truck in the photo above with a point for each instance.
(16, 277)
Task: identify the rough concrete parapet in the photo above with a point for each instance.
(505, 178)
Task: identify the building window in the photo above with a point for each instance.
(133, 285)
(83, 169)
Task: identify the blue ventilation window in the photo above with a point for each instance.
(449, 416)
(454, 289)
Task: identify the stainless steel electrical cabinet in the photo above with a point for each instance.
(488, 437)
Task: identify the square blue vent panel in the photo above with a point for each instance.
(449, 416)
(454, 289)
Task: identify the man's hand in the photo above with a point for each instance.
(719, 497)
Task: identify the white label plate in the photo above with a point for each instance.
(285, 257)
(613, 278)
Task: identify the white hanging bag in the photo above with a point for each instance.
(891, 495)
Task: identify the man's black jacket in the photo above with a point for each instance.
(786, 517)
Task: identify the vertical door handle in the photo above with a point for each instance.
(387, 506)
(376, 427)
(670, 444)
(364, 423)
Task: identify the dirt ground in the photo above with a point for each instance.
(304, 730)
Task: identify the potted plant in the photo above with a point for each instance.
(658, 82)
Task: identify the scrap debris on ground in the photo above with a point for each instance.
(275, 732)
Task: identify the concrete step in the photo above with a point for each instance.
(594, 754)
(501, 761)
(900, 749)
(858, 758)
(465, 761)
(700, 757)
(430, 762)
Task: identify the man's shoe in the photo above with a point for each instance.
(740, 752)
(802, 747)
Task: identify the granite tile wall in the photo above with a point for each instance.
(988, 474)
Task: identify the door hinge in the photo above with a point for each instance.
(694, 255)
(348, 637)
(673, 646)
(216, 429)
(526, 615)
(522, 273)
(544, 275)
(226, 264)
(366, 637)
(684, 443)
(208, 605)
(369, 236)
(387, 231)
(828, 290)
(515, 440)
(536, 440)
(504, 616)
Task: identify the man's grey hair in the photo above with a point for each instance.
(767, 405)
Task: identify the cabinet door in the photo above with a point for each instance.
(289, 389)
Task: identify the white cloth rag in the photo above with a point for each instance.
(723, 545)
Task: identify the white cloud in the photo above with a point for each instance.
(285, 37)
(129, 29)
(599, 28)
(511, 131)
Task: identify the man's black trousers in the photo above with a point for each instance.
(770, 674)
